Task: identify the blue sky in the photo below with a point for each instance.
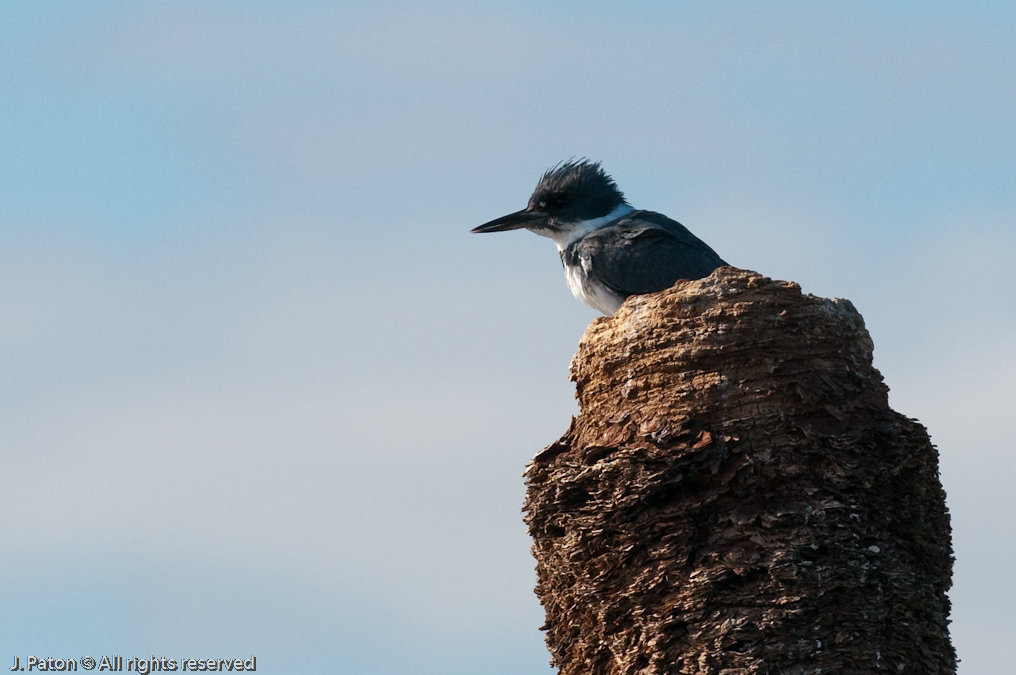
(262, 393)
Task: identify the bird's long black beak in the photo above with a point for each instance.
(512, 221)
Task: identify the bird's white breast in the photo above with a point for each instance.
(590, 291)
(582, 286)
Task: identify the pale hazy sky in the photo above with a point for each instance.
(262, 393)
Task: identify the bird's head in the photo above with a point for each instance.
(568, 195)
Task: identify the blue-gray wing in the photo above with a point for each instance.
(643, 253)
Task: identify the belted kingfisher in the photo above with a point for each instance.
(608, 249)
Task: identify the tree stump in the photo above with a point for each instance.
(736, 496)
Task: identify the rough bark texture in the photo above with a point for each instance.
(737, 497)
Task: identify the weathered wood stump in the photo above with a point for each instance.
(737, 497)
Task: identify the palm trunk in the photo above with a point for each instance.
(737, 497)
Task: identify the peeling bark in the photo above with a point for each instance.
(736, 496)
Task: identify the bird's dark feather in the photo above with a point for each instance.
(644, 252)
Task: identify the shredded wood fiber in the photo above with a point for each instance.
(736, 496)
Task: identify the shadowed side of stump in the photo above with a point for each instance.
(736, 496)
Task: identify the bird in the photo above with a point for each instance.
(609, 250)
